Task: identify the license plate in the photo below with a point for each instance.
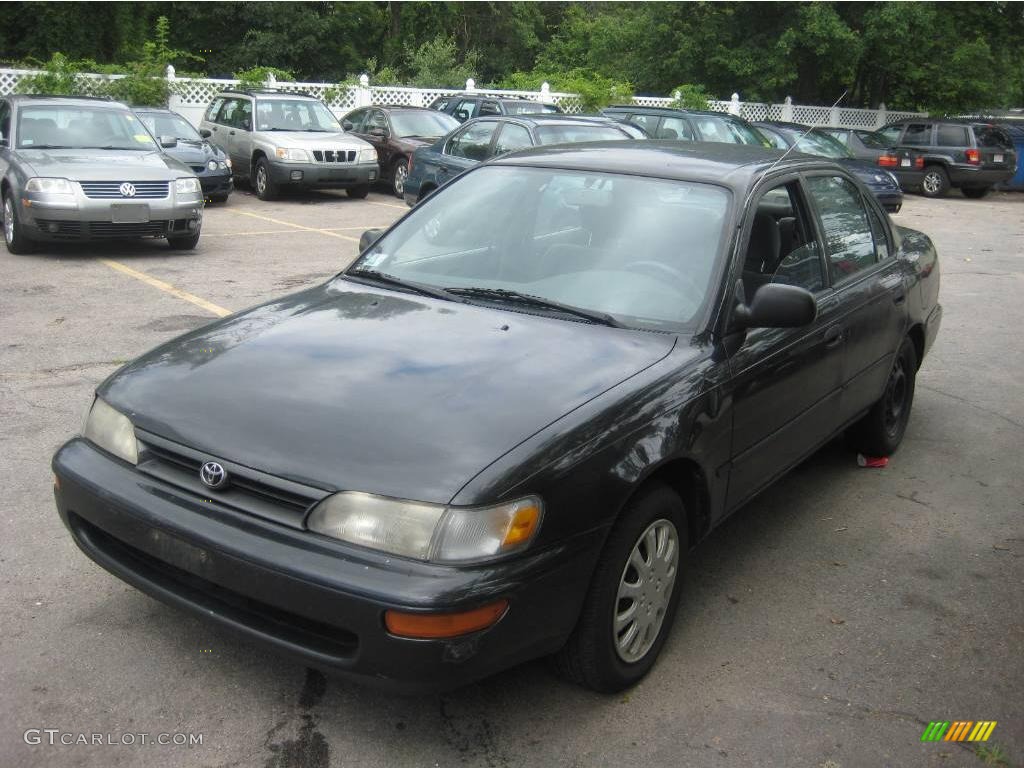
(129, 213)
(905, 162)
(998, 158)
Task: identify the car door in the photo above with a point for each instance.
(869, 283)
(471, 145)
(230, 121)
(377, 131)
(5, 137)
(511, 137)
(786, 383)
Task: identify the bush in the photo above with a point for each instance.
(59, 76)
(435, 64)
(256, 77)
(595, 91)
(690, 97)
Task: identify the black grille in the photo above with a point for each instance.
(332, 156)
(110, 190)
(198, 168)
(71, 229)
(143, 229)
(248, 490)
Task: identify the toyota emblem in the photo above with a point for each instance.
(213, 475)
(127, 190)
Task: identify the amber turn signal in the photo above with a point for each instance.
(432, 626)
(521, 529)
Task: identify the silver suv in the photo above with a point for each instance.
(294, 140)
(76, 168)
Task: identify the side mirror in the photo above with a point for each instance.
(168, 142)
(347, 125)
(368, 238)
(205, 133)
(462, 115)
(776, 305)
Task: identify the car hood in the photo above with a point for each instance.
(870, 173)
(347, 386)
(103, 165)
(195, 152)
(314, 139)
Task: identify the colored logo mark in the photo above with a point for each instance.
(959, 730)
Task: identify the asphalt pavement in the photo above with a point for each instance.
(824, 625)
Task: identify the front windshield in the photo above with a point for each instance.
(723, 130)
(566, 133)
(821, 144)
(162, 124)
(425, 124)
(294, 115)
(642, 250)
(78, 127)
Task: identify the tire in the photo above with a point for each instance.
(975, 193)
(360, 192)
(598, 654)
(14, 237)
(263, 182)
(183, 242)
(935, 182)
(880, 431)
(399, 173)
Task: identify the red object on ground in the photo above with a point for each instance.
(874, 462)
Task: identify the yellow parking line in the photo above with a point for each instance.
(272, 220)
(389, 205)
(167, 288)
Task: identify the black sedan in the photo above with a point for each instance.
(497, 435)
(814, 141)
(208, 161)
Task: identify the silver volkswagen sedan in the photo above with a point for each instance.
(77, 168)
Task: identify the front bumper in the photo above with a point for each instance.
(890, 199)
(77, 217)
(216, 183)
(311, 598)
(324, 175)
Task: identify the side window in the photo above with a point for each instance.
(474, 142)
(213, 109)
(466, 109)
(353, 121)
(782, 247)
(490, 108)
(775, 139)
(511, 138)
(848, 238)
(440, 105)
(841, 136)
(880, 232)
(891, 133)
(952, 136)
(376, 119)
(648, 122)
(5, 121)
(228, 114)
(918, 135)
(244, 115)
(675, 128)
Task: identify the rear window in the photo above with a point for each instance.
(992, 136)
(723, 130)
(529, 108)
(952, 136)
(874, 140)
(918, 134)
(566, 134)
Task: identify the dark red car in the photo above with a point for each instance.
(397, 132)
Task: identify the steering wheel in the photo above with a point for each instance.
(660, 270)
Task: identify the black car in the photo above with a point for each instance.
(208, 161)
(498, 433)
(814, 141)
(687, 124)
(970, 155)
(465, 106)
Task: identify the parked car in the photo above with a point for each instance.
(466, 106)
(486, 137)
(79, 168)
(814, 141)
(397, 132)
(687, 124)
(294, 142)
(497, 435)
(208, 162)
(969, 155)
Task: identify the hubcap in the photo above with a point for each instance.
(644, 591)
(895, 397)
(932, 183)
(261, 180)
(401, 172)
(8, 220)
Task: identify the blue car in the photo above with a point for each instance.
(486, 137)
(815, 141)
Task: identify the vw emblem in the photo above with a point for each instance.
(213, 475)
(127, 190)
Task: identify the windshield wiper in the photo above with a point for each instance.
(47, 146)
(503, 294)
(382, 277)
(126, 149)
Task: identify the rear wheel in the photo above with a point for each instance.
(359, 192)
(399, 173)
(935, 182)
(881, 430)
(976, 193)
(266, 189)
(14, 236)
(633, 596)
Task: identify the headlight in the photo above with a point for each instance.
(368, 155)
(428, 531)
(298, 155)
(54, 186)
(186, 186)
(112, 431)
(212, 165)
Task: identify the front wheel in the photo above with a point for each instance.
(14, 237)
(880, 431)
(398, 176)
(266, 189)
(935, 182)
(975, 193)
(634, 593)
(359, 192)
(184, 242)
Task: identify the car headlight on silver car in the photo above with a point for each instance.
(295, 155)
(50, 186)
(112, 431)
(368, 155)
(186, 186)
(212, 165)
(433, 532)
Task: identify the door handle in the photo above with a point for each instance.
(231, 133)
(834, 335)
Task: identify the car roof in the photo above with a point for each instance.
(400, 108)
(44, 98)
(160, 110)
(787, 126)
(468, 95)
(732, 165)
(638, 110)
(258, 93)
